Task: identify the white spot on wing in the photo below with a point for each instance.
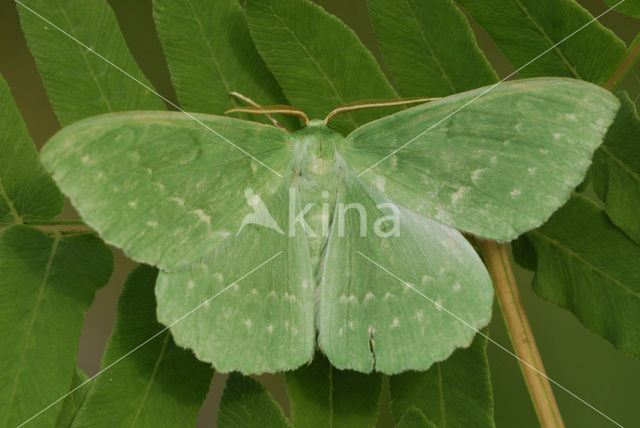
(202, 216)
(455, 197)
(177, 201)
(394, 161)
(475, 175)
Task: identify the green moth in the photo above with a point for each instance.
(318, 239)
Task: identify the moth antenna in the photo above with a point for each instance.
(363, 104)
(255, 104)
(282, 109)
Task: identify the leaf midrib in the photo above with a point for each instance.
(84, 58)
(581, 259)
(12, 209)
(330, 396)
(27, 337)
(151, 379)
(211, 54)
(441, 393)
(619, 161)
(430, 48)
(313, 60)
(552, 44)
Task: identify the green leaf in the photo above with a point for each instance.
(298, 41)
(524, 253)
(525, 29)
(145, 181)
(246, 403)
(629, 7)
(493, 163)
(47, 283)
(429, 47)
(587, 265)
(159, 384)
(26, 191)
(454, 393)
(79, 83)
(322, 396)
(414, 418)
(616, 169)
(74, 401)
(216, 35)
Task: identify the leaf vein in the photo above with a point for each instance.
(553, 44)
(12, 208)
(27, 337)
(426, 42)
(313, 60)
(151, 378)
(581, 259)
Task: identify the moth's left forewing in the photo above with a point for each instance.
(496, 161)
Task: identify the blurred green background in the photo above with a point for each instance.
(582, 362)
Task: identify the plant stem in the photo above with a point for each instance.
(64, 226)
(624, 67)
(515, 318)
